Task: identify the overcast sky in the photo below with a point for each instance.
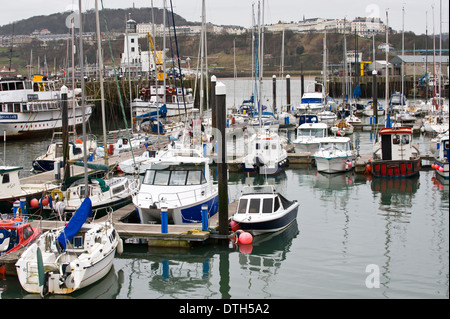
(238, 12)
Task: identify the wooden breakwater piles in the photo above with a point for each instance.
(336, 86)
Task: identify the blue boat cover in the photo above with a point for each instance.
(76, 222)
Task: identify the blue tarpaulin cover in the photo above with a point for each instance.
(76, 222)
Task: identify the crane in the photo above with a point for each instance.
(157, 59)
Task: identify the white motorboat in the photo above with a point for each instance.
(54, 153)
(33, 106)
(266, 154)
(308, 135)
(69, 258)
(335, 155)
(441, 158)
(311, 102)
(327, 117)
(179, 181)
(263, 210)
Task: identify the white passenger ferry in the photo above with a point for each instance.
(29, 107)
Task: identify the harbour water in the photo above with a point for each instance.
(354, 238)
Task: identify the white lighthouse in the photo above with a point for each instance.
(132, 59)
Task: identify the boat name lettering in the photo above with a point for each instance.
(8, 116)
(32, 97)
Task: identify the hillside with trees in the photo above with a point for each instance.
(303, 51)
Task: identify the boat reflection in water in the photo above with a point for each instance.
(396, 194)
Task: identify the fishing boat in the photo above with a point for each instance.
(441, 158)
(308, 135)
(54, 153)
(16, 234)
(178, 101)
(12, 190)
(267, 154)
(335, 155)
(32, 106)
(179, 181)
(263, 210)
(69, 258)
(394, 154)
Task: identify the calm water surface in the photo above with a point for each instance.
(346, 225)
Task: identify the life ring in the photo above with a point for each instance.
(57, 192)
(78, 141)
(6, 222)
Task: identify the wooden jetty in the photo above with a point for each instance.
(177, 235)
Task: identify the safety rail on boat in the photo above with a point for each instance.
(262, 189)
(175, 198)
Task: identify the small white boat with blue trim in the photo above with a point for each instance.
(263, 210)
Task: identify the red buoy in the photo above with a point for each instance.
(245, 238)
(34, 203)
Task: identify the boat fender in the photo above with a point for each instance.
(120, 246)
(56, 194)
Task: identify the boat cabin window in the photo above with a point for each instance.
(27, 232)
(77, 242)
(4, 86)
(161, 178)
(277, 204)
(254, 206)
(267, 205)
(174, 177)
(5, 178)
(178, 178)
(242, 209)
(396, 139)
(118, 189)
(149, 176)
(405, 139)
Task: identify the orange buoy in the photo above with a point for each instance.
(368, 168)
(78, 141)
